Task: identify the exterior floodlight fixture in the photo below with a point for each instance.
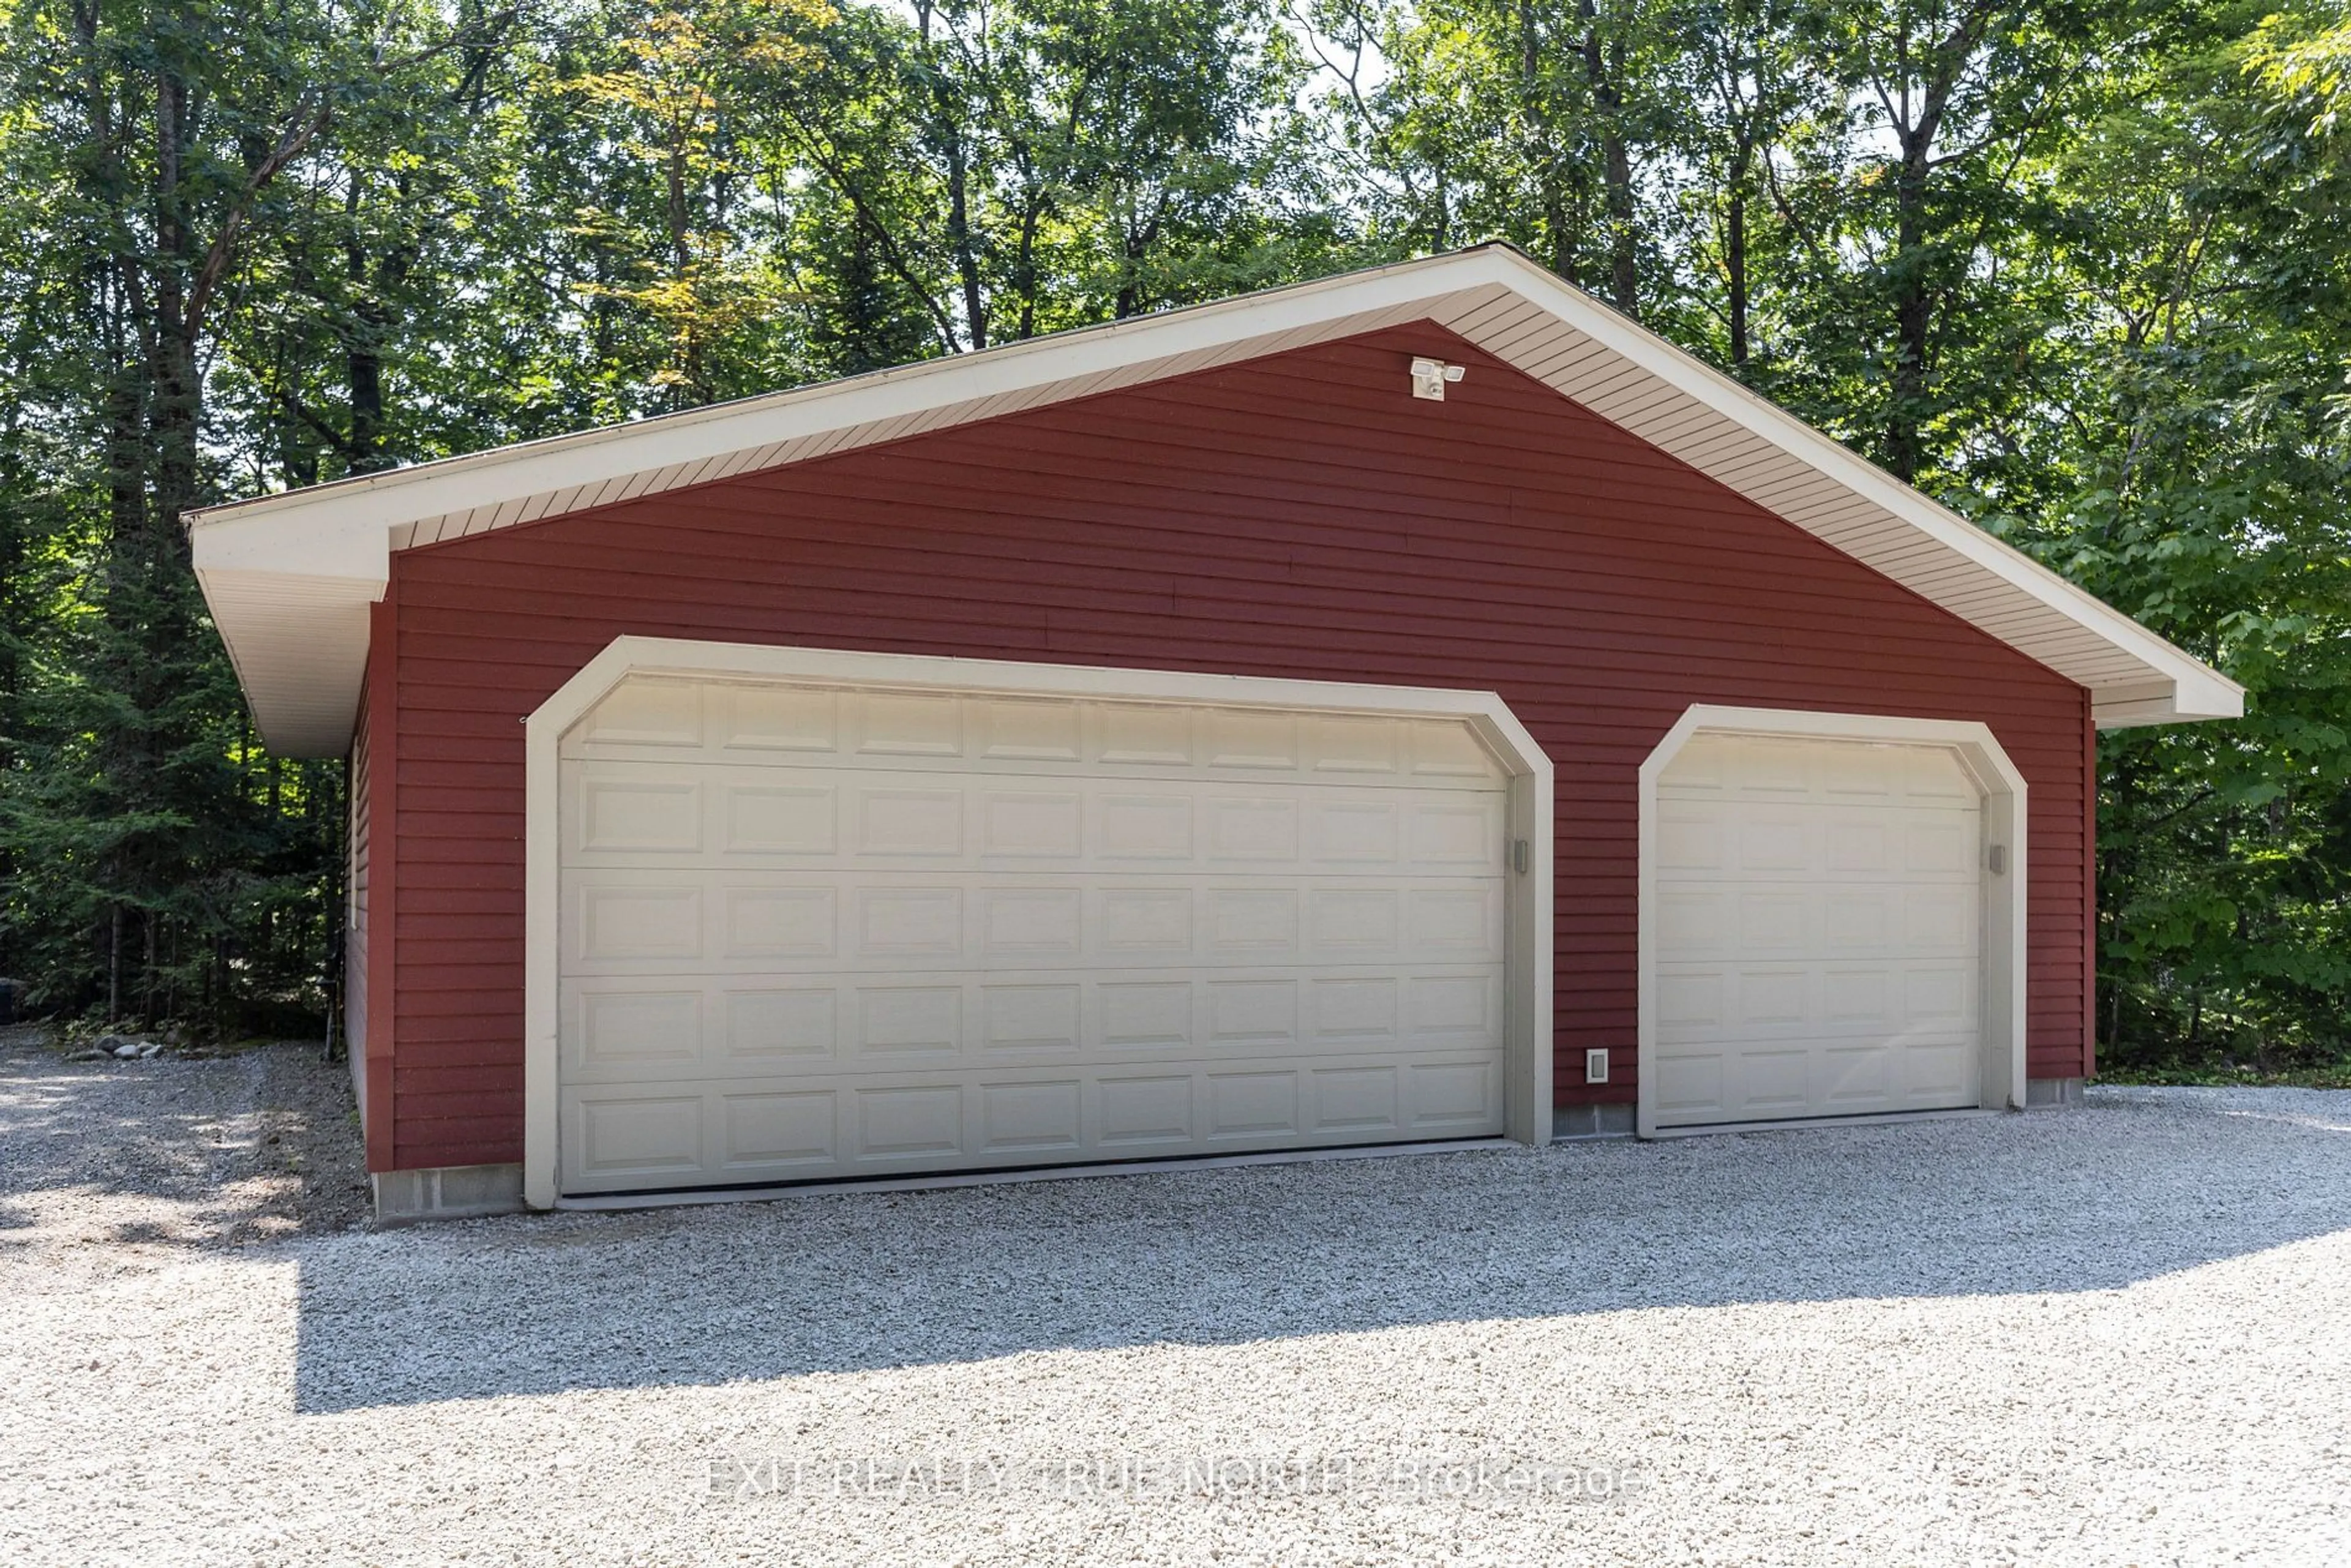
(1430, 376)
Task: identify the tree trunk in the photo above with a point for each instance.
(975, 300)
(694, 387)
(1734, 252)
(959, 236)
(363, 372)
(1940, 72)
(1559, 229)
(363, 350)
(1137, 242)
(175, 407)
(1603, 67)
(1913, 309)
(1623, 233)
(149, 924)
(1026, 280)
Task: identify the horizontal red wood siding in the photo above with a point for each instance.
(2090, 900)
(355, 911)
(380, 721)
(1300, 515)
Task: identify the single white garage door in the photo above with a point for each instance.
(825, 932)
(1819, 947)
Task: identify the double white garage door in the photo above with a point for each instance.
(813, 932)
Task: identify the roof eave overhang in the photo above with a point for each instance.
(290, 577)
(2183, 701)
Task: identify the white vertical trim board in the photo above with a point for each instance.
(1527, 936)
(2002, 1000)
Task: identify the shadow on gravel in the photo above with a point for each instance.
(180, 1152)
(2133, 1187)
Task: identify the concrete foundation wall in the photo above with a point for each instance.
(446, 1192)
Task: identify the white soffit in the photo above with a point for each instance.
(290, 577)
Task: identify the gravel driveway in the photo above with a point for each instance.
(2115, 1335)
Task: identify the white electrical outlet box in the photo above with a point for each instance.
(1595, 1067)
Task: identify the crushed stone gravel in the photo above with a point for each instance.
(111, 1167)
(2103, 1336)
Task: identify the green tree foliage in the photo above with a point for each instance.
(140, 824)
(2209, 502)
(2078, 268)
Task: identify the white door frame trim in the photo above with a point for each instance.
(2000, 1084)
(1529, 954)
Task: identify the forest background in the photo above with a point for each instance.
(2081, 269)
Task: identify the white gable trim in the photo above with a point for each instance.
(289, 575)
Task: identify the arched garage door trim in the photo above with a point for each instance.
(2003, 995)
(1529, 956)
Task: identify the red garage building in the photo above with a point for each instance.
(1418, 705)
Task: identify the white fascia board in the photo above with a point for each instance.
(2186, 707)
(2201, 692)
(321, 539)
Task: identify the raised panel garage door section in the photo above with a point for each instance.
(1820, 944)
(819, 932)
